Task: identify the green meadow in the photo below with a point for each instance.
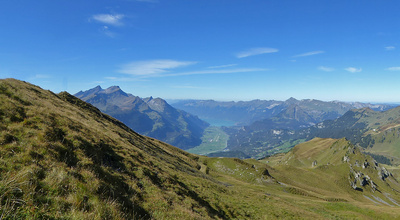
(213, 140)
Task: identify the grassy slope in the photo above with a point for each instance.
(330, 178)
(300, 192)
(62, 158)
(387, 143)
(283, 148)
(384, 130)
(214, 139)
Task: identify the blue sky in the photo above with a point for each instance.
(207, 49)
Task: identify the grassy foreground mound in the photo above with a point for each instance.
(61, 158)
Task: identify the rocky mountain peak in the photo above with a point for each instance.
(112, 89)
(158, 104)
(89, 92)
(291, 101)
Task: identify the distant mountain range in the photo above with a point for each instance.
(262, 127)
(267, 127)
(152, 117)
(291, 113)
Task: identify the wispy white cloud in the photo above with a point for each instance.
(107, 21)
(309, 53)
(167, 68)
(106, 30)
(326, 69)
(222, 66)
(353, 69)
(395, 68)
(224, 71)
(110, 19)
(256, 51)
(390, 48)
(151, 68)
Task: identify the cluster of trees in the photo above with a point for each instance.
(380, 158)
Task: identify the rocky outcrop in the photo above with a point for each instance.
(314, 163)
(365, 164)
(358, 178)
(383, 173)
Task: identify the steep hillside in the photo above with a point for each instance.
(61, 158)
(150, 117)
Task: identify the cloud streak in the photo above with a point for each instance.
(110, 19)
(167, 68)
(222, 66)
(353, 69)
(390, 48)
(309, 53)
(226, 71)
(326, 69)
(395, 68)
(151, 68)
(256, 51)
(106, 30)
